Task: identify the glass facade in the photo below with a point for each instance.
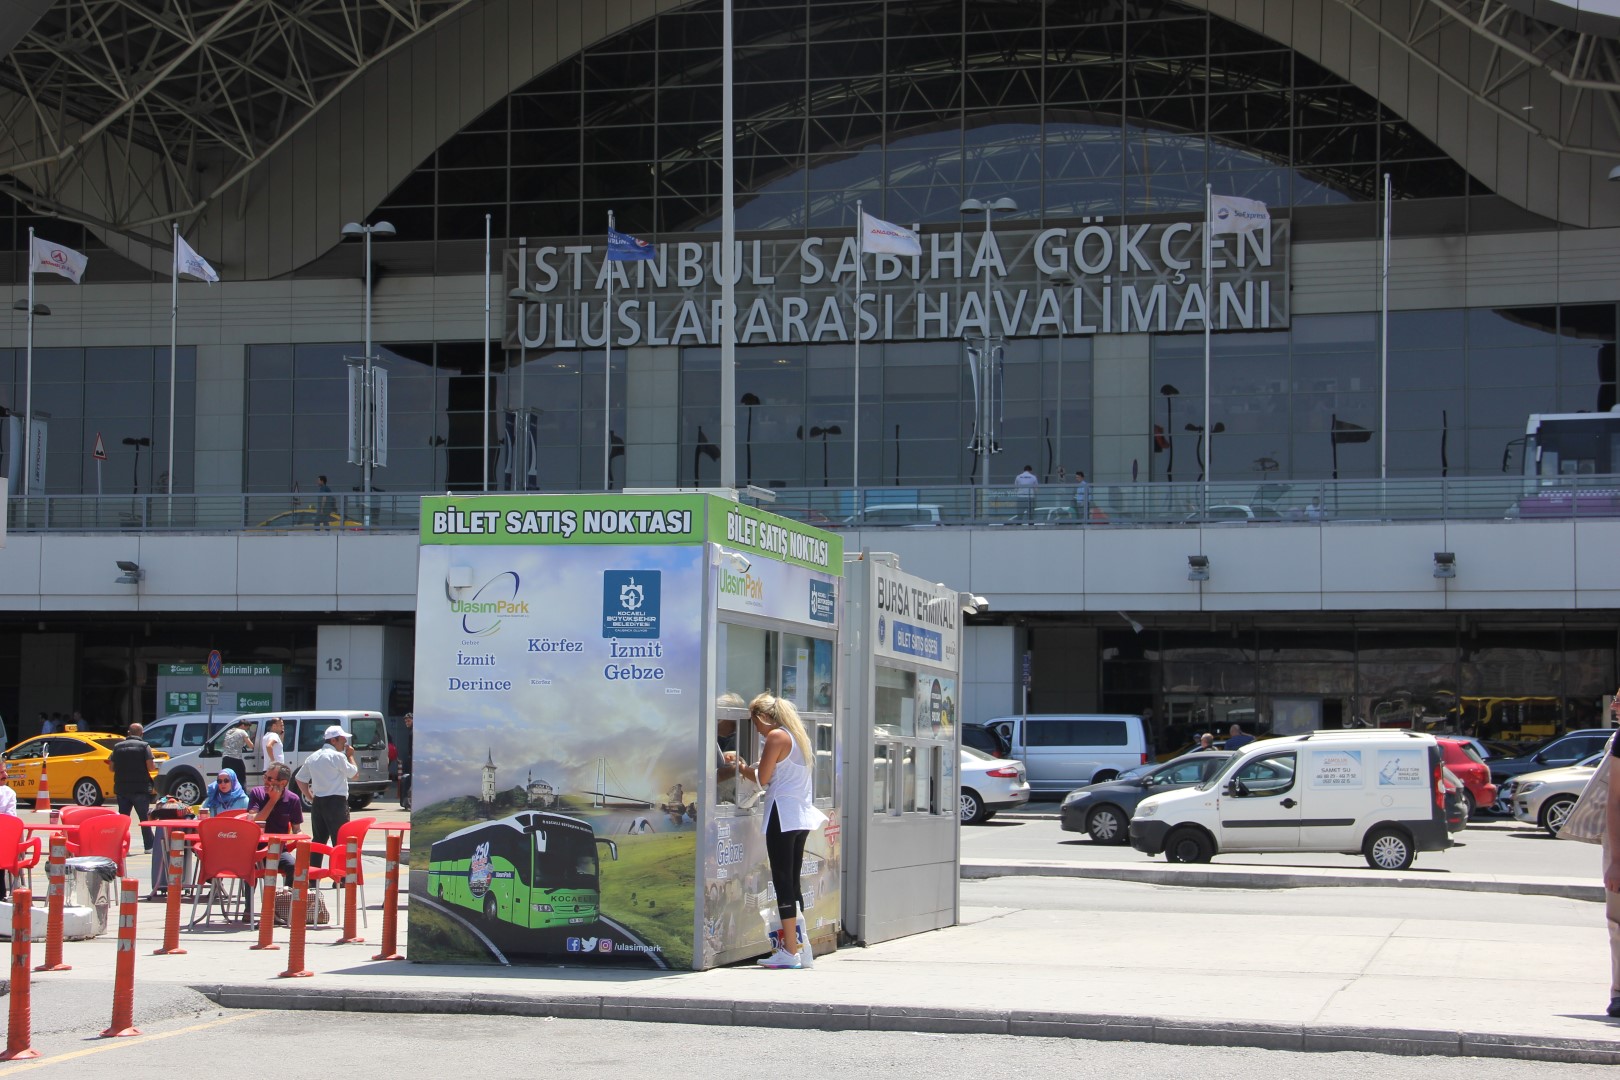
(1495, 678)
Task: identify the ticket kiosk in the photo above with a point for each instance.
(583, 667)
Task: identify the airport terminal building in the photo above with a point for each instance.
(1067, 331)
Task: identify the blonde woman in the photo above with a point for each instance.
(790, 811)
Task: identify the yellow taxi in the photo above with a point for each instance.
(80, 766)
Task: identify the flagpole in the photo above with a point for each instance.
(174, 322)
(28, 391)
(860, 281)
(1383, 350)
(607, 363)
(1209, 318)
(487, 218)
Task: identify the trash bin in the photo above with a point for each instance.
(92, 882)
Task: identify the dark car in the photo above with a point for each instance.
(985, 739)
(1566, 749)
(1104, 810)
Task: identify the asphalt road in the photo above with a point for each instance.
(1485, 847)
(431, 1047)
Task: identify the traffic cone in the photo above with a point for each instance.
(42, 798)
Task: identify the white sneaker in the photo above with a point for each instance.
(781, 958)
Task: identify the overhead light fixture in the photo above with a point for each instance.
(736, 558)
(1445, 564)
(132, 573)
(1136, 627)
(972, 604)
(1198, 568)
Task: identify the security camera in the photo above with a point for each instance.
(973, 605)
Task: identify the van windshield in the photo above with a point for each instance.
(368, 732)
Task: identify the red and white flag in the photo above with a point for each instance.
(49, 258)
(882, 237)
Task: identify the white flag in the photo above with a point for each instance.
(52, 258)
(1230, 214)
(188, 262)
(880, 236)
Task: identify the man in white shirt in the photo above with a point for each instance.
(1026, 481)
(270, 745)
(324, 780)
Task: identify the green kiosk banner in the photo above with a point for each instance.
(560, 717)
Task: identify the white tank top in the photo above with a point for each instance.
(791, 793)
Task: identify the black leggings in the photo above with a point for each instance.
(786, 853)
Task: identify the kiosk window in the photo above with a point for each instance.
(908, 779)
(823, 737)
(882, 756)
(896, 703)
(807, 673)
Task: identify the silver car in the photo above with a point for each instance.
(990, 784)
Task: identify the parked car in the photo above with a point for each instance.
(1545, 798)
(1063, 751)
(187, 772)
(1104, 810)
(1235, 512)
(1376, 791)
(990, 785)
(1566, 749)
(80, 768)
(902, 515)
(1460, 756)
(1456, 801)
(985, 740)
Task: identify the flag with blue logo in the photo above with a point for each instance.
(622, 247)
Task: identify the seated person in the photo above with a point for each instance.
(224, 794)
(278, 807)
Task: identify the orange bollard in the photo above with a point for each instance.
(298, 917)
(18, 1037)
(171, 915)
(55, 897)
(42, 796)
(390, 926)
(351, 886)
(123, 1014)
(267, 899)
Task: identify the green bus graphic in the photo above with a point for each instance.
(533, 870)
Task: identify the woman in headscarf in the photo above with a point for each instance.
(225, 793)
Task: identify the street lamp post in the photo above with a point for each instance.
(750, 400)
(1169, 393)
(369, 451)
(822, 433)
(1198, 448)
(986, 408)
(135, 474)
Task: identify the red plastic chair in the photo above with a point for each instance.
(337, 859)
(73, 815)
(228, 850)
(17, 856)
(107, 836)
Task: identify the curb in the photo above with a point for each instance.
(930, 1019)
(1214, 877)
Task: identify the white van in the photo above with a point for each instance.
(193, 761)
(1376, 792)
(1061, 752)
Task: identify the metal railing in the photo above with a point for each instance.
(1110, 505)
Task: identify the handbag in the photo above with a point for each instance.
(315, 914)
(1590, 813)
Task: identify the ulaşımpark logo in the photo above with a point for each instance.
(496, 599)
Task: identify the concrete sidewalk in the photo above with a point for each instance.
(1390, 985)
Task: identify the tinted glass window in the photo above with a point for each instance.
(309, 734)
(1076, 733)
(193, 734)
(159, 738)
(61, 747)
(368, 733)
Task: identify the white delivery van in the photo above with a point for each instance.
(1063, 752)
(1376, 792)
(191, 767)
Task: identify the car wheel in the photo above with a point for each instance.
(492, 911)
(1388, 848)
(1188, 845)
(1468, 807)
(359, 802)
(970, 810)
(1108, 825)
(86, 792)
(1554, 812)
(187, 788)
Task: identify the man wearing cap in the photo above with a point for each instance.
(324, 780)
